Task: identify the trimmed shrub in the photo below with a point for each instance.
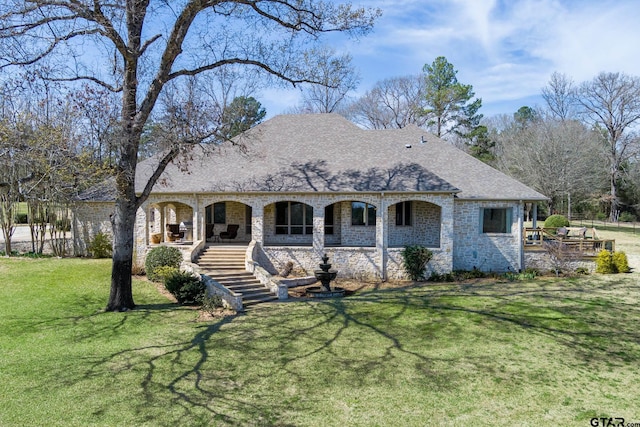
(601, 216)
(100, 246)
(164, 271)
(620, 262)
(556, 221)
(187, 289)
(415, 259)
(604, 263)
(159, 257)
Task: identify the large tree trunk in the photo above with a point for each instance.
(615, 204)
(123, 223)
(7, 242)
(121, 296)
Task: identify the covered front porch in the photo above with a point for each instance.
(362, 235)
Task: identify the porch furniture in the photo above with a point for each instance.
(174, 233)
(231, 233)
(209, 230)
(562, 232)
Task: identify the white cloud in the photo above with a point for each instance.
(507, 49)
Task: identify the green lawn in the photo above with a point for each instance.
(535, 353)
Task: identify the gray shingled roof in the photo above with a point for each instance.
(327, 153)
(104, 191)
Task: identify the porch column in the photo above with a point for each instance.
(520, 211)
(534, 215)
(318, 231)
(198, 228)
(163, 221)
(382, 236)
(257, 224)
(140, 235)
(447, 233)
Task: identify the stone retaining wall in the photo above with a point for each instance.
(541, 261)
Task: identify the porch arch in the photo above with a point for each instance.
(414, 222)
(220, 214)
(169, 213)
(288, 222)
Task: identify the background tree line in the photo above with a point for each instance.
(581, 148)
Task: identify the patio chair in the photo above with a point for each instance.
(562, 232)
(174, 233)
(231, 233)
(209, 230)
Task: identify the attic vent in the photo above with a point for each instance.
(407, 146)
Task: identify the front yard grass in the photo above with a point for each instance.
(544, 352)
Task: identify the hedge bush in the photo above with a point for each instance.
(159, 257)
(611, 263)
(187, 289)
(415, 259)
(621, 262)
(604, 263)
(556, 221)
(164, 271)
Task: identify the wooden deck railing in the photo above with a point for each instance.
(589, 245)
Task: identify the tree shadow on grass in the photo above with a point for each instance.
(280, 359)
(598, 321)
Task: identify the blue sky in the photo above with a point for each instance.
(506, 49)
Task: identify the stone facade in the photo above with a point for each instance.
(486, 251)
(541, 261)
(424, 228)
(450, 227)
(90, 219)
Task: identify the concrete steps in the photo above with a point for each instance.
(225, 264)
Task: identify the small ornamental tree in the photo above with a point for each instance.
(561, 256)
(414, 261)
